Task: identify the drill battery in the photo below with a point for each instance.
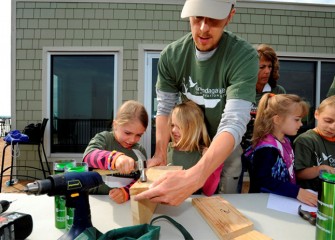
(15, 225)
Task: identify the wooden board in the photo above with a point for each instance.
(143, 210)
(253, 235)
(225, 220)
(103, 172)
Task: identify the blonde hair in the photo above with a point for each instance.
(329, 101)
(130, 111)
(271, 105)
(194, 135)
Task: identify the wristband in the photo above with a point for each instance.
(114, 157)
(125, 194)
(110, 159)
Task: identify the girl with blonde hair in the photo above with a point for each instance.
(190, 140)
(113, 150)
(271, 157)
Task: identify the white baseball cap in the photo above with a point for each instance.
(217, 9)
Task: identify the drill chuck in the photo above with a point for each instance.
(64, 184)
(38, 187)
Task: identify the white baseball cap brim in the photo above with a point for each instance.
(217, 9)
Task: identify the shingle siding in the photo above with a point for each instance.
(41, 24)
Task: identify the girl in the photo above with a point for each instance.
(190, 141)
(315, 149)
(271, 156)
(113, 150)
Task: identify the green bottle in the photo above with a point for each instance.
(325, 224)
(79, 167)
(60, 208)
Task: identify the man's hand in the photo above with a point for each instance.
(156, 161)
(172, 188)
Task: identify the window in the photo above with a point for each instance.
(308, 78)
(327, 76)
(298, 77)
(84, 93)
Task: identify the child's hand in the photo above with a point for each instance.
(124, 164)
(307, 197)
(327, 168)
(117, 195)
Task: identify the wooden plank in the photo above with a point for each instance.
(102, 172)
(143, 210)
(225, 220)
(253, 235)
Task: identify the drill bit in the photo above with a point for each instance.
(4, 205)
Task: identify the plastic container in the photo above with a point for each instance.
(325, 225)
(60, 208)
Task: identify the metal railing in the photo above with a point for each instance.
(73, 135)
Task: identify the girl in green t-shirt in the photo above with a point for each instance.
(189, 141)
(113, 150)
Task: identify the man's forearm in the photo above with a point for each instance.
(217, 153)
(162, 136)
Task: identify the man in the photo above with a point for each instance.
(218, 71)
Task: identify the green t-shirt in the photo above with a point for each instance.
(230, 73)
(106, 141)
(331, 90)
(310, 150)
(182, 158)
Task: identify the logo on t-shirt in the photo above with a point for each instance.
(208, 97)
(324, 159)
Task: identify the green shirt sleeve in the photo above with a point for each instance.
(331, 90)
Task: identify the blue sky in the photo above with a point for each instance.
(5, 18)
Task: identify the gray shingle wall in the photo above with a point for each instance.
(40, 24)
(287, 30)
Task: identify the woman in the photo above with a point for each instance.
(268, 72)
(268, 75)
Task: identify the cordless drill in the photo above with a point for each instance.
(74, 186)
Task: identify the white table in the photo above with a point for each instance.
(107, 215)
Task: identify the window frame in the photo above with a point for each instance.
(46, 85)
(146, 53)
(310, 57)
